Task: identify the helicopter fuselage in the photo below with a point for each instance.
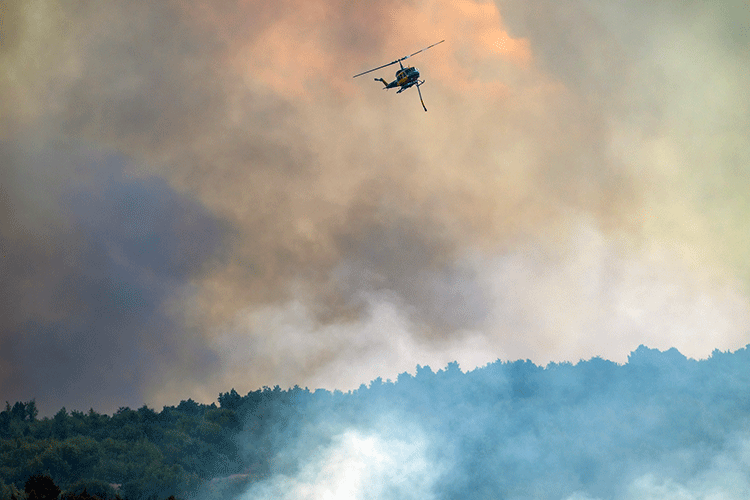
(405, 78)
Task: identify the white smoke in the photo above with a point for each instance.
(356, 465)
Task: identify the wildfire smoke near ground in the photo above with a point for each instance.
(660, 426)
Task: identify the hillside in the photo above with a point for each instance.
(659, 423)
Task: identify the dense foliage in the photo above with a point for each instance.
(497, 425)
(136, 453)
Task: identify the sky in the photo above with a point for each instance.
(198, 196)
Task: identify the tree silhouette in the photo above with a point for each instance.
(40, 487)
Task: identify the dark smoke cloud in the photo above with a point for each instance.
(383, 250)
(574, 175)
(87, 275)
(171, 97)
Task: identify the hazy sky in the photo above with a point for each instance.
(196, 196)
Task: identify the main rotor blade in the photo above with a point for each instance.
(417, 52)
(397, 60)
(379, 67)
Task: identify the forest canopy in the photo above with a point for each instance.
(508, 429)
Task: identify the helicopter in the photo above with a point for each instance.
(405, 77)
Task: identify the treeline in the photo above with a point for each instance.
(41, 487)
(591, 419)
(136, 454)
(142, 454)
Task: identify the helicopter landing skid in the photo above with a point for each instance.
(417, 83)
